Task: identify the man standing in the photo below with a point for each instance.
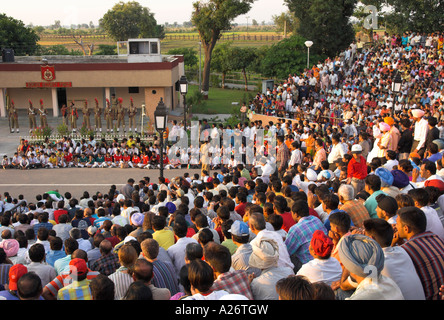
(31, 116)
(132, 111)
(109, 117)
(97, 116)
(74, 115)
(13, 118)
(120, 116)
(282, 156)
(43, 113)
(86, 113)
(420, 132)
(357, 169)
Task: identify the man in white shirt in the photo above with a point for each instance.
(337, 152)
(421, 130)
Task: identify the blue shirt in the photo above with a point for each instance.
(370, 204)
(54, 255)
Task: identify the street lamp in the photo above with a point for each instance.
(183, 84)
(308, 44)
(396, 88)
(160, 121)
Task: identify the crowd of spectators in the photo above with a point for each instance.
(352, 197)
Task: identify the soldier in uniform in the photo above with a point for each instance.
(65, 112)
(97, 116)
(114, 106)
(121, 116)
(31, 116)
(132, 111)
(86, 113)
(13, 117)
(109, 117)
(43, 115)
(73, 116)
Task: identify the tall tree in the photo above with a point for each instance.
(130, 20)
(325, 22)
(211, 18)
(14, 35)
(414, 15)
(241, 59)
(220, 61)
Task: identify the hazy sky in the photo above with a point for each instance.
(45, 12)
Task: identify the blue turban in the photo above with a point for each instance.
(385, 175)
(361, 254)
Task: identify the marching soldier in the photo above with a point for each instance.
(31, 116)
(132, 111)
(114, 106)
(97, 116)
(13, 117)
(109, 117)
(43, 115)
(74, 116)
(120, 116)
(86, 113)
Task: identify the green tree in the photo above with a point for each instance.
(211, 18)
(325, 22)
(287, 56)
(106, 50)
(189, 55)
(286, 21)
(240, 59)
(220, 61)
(14, 35)
(418, 16)
(130, 20)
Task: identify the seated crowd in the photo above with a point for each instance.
(352, 197)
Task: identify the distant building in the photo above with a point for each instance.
(139, 72)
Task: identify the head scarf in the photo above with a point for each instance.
(265, 254)
(361, 255)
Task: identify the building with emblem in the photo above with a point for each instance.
(138, 73)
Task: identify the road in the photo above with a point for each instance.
(29, 183)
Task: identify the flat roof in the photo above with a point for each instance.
(79, 59)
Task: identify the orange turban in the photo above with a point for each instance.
(389, 120)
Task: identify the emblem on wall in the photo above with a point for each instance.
(48, 73)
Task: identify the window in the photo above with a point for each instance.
(133, 90)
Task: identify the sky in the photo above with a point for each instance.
(45, 12)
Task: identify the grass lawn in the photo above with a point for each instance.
(220, 101)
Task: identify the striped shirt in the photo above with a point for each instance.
(4, 273)
(299, 237)
(122, 280)
(78, 290)
(165, 276)
(427, 253)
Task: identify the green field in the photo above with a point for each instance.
(220, 101)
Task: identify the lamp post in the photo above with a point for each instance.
(143, 115)
(396, 88)
(160, 121)
(183, 84)
(308, 44)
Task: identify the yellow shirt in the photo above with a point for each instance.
(164, 237)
